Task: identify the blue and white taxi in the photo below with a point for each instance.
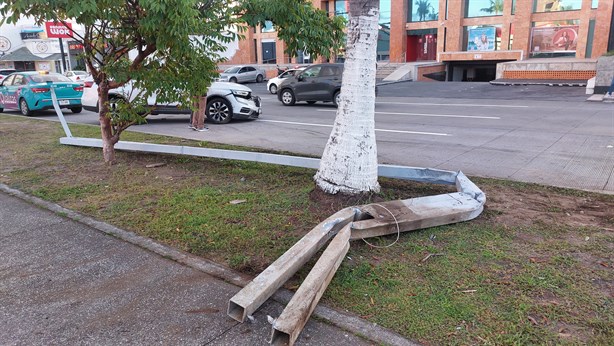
(31, 91)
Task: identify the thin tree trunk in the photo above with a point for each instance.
(106, 128)
(349, 161)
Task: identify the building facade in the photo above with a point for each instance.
(469, 36)
(25, 46)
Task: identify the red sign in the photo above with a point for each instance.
(58, 30)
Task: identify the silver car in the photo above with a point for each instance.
(242, 74)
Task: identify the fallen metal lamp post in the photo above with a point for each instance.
(362, 222)
(370, 220)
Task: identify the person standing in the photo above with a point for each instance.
(609, 94)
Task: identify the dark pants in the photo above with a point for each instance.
(611, 89)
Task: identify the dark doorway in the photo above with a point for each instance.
(269, 55)
(422, 47)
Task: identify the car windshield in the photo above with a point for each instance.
(80, 73)
(232, 70)
(7, 72)
(54, 77)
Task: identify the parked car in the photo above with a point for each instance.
(273, 83)
(76, 76)
(6, 72)
(242, 74)
(225, 101)
(319, 82)
(30, 91)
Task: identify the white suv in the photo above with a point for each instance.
(225, 101)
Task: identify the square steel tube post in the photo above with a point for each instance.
(249, 299)
(288, 326)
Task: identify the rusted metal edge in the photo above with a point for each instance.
(249, 299)
(287, 327)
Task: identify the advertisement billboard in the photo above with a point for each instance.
(482, 38)
(554, 39)
(58, 30)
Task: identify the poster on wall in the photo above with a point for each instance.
(482, 38)
(554, 39)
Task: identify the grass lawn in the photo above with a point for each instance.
(534, 268)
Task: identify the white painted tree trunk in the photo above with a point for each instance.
(349, 161)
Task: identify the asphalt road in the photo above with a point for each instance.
(541, 134)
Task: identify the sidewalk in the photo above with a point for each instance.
(64, 282)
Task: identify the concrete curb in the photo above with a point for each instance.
(394, 82)
(350, 323)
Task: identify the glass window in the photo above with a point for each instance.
(482, 38)
(341, 8)
(8, 80)
(311, 72)
(483, 8)
(513, 6)
(511, 41)
(232, 70)
(422, 10)
(268, 27)
(52, 77)
(595, 3)
(18, 80)
(589, 39)
(556, 5)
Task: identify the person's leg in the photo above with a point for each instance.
(611, 89)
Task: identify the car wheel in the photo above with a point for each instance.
(311, 102)
(76, 109)
(259, 78)
(232, 80)
(337, 98)
(273, 89)
(219, 111)
(23, 107)
(287, 97)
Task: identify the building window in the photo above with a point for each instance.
(383, 37)
(341, 8)
(482, 38)
(554, 39)
(267, 27)
(511, 40)
(595, 4)
(589, 39)
(483, 8)
(556, 5)
(422, 10)
(513, 6)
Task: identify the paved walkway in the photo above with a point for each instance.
(64, 282)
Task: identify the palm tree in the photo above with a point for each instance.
(349, 161)
(496, 7)
(423, 8)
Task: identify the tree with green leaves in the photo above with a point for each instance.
(172, 47)
(496, 7)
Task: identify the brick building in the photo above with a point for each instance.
(467, 37)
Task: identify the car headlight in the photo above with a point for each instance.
(241, 93)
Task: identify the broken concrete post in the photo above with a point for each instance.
(288, 326)
(249, 299)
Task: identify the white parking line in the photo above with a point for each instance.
(426, 115)
(379, 130)
(451, 104)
